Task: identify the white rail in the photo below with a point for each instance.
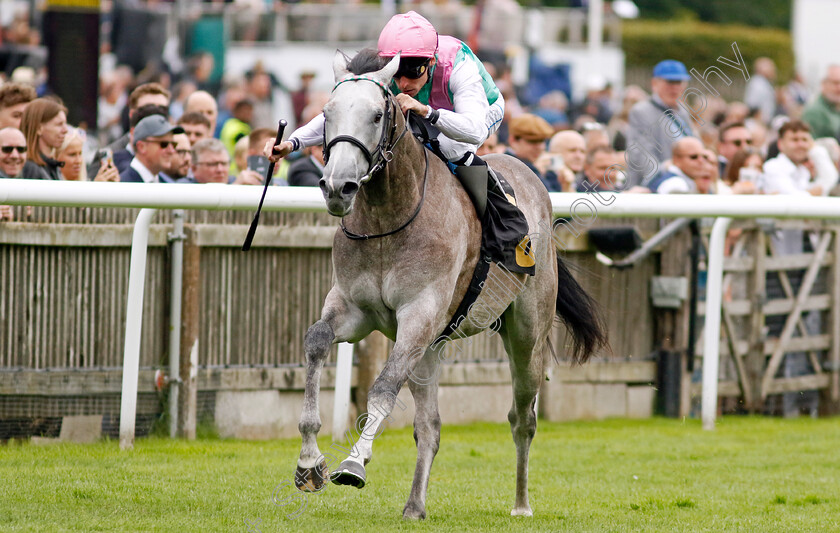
(583, 208)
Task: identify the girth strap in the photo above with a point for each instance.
(482, 267)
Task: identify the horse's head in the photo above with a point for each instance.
(359, 124)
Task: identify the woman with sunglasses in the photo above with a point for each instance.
(44, 123)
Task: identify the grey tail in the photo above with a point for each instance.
(580, 314)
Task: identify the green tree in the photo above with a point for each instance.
(766, 13)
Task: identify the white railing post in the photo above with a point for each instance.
(711, 338)
(176, 287)
(133, 326)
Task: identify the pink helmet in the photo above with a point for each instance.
(409, 34)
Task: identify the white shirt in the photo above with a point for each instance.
(144, 172)
(783, 176)
(467, 123)
(680, 183)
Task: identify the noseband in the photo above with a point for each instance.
(383, 153)
(380, 157)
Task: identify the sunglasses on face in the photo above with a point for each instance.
(412, 67)
(163, 144)
(9, 149)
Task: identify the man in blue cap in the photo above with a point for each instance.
(655, 124)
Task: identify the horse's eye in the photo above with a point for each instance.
(377, 118)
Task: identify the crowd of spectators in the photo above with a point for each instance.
(173, 130)
(779, 140)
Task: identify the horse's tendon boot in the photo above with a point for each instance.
(474, 180)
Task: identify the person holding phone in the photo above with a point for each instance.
(210, 164)
(744, 173)
(71, 155)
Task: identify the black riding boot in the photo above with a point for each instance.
(474, 178)
(504, 226)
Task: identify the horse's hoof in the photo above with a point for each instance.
(521, 511)
(312, 479)
(349, 473)
(413, 513)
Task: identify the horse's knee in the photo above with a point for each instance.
(319, 337)
(383, 394)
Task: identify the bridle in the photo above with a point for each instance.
(381, 155)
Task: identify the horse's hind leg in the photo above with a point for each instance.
(424, 389)
(525, 351)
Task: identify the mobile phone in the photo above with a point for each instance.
(748, 174)
(105, 156)
(258, 163)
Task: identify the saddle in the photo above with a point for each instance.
(504, 230)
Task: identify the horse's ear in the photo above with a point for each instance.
(340, 61)
(387, 72)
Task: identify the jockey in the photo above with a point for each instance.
(440, 78)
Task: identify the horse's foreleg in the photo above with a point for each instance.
(340, 321)
(311, 474)
(426, 431)
(381, 401)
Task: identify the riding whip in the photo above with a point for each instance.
(281, 127)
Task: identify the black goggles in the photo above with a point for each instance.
(412, 67)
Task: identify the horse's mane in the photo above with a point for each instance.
(367, 60)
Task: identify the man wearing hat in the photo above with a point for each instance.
(655, 124)
(153, 144)
(527, 135)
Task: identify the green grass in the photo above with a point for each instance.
(751, 474)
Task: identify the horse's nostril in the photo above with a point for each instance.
(349, 188)
(323, 185)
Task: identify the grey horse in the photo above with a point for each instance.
(409, 282)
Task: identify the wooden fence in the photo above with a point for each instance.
(780, 319)
(63, 279)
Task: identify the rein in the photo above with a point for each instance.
(364, 236)
(380, 157)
